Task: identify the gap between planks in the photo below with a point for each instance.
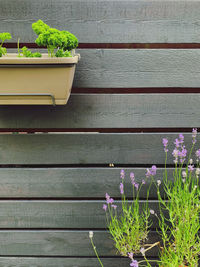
(119, 45)
(145, 90)
(92, 130)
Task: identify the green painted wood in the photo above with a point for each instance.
(129, 21)
(57, 214)
(60, 243)
(119, 68)
(108, 111)
(61, 262)
(86, 148)
(71, 182)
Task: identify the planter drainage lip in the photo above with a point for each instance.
(13, 59)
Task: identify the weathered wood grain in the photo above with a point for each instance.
(132, 21)
(58, 214)
(87, 148)
(61, 262)
(127, 68)
(72, 182)
(60, 243)
(108, 111)
(117, 68)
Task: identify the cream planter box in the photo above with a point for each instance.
(36, 81)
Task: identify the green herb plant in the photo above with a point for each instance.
(4, 36)
(59, 43)
(25, 52)
(179, 215)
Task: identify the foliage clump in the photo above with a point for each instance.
(181, 240)
(59, 43)
(27, 53)
(62, 53)
(4, 36)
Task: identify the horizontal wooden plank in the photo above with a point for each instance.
(57, 214)
(128, 21)
(117, 68)
(107, 111)
(61, 262)
(66, 262)
(87, 148)
(126, 68)
(71, 182)
(60, 243)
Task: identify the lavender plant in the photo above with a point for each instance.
(180, 236)
(179, 212)
(129, 229)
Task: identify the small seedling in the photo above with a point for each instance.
(25, 52)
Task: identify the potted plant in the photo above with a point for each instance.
(32, 78)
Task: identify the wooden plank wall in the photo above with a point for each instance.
(138, 81)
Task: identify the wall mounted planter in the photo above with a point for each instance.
(36, 81)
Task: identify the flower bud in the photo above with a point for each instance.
(184, 174)
(91, 234)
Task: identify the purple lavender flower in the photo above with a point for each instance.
(148, 173)
(165, 143)
(105, 207)
(194, 135)
(177, 143)
(143, 181)
(136, 186)
(134, 263)
(122, 174)
(109, 200)
(181, 138)
(198, 153)
(114, 206)
(121, 188)
(132, 176)
(107, 197)
(175, 153)
(130, 255)
(190, 168)
(142, 251)
(182, 154)
(153, 170)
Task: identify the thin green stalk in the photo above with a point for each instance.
(94, 248)
(18, 49)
